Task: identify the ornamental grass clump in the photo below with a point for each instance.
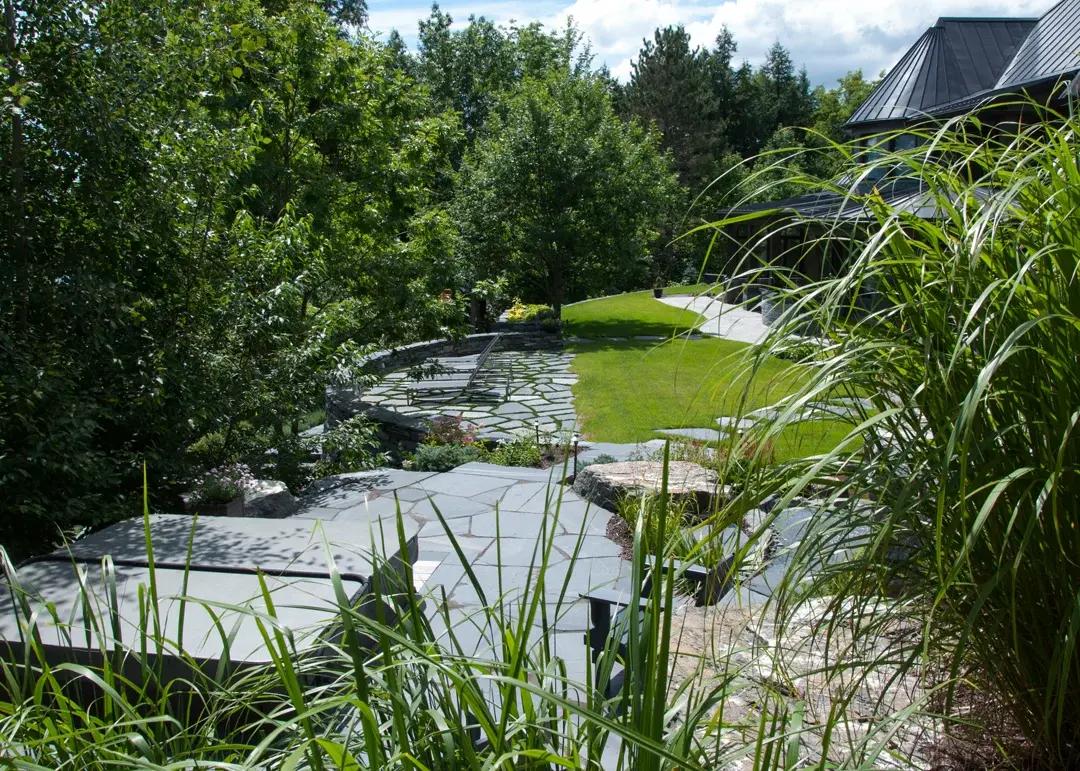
(402, 682)
(951, 511)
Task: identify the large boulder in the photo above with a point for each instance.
(269, 499)
(605, 483)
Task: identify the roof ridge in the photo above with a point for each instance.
(993, 19)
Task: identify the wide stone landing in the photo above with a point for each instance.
(604, 484)
(497, 515)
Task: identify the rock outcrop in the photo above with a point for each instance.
(270, 499)
(605, 483)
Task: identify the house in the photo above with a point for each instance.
(957, 65)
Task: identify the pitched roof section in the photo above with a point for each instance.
(952, 60)
(1051, 49)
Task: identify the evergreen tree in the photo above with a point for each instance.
(672, 85)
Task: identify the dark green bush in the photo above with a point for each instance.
(443, 457)
(520, 452)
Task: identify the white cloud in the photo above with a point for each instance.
(829, 37)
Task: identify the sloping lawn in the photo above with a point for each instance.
(625, 391)
(627, 315)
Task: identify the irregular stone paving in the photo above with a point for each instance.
(731, 322)
(539, 395)
(497, 515)
(839, 409)
(467, 497)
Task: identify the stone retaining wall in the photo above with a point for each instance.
(404, 432)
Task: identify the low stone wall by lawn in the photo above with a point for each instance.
(402, 432)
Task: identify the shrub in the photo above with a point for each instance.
(522, 312)
(351, 445)
(450, 429)
(520, 452)
(221, 485)
(443, 457)
(804, 351)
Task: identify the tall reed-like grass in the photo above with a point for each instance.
(398, 683)
(957, 314)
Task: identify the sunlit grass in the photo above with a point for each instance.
(625, 391)
(627, 315)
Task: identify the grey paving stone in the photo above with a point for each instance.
(741, 424)
(515, 580)
(591, 546)
(517, 552)
(699, 434)
(434, 529)
(520, 494)
(510, 524)
(446, 576)
(512, 408)
(510, 473)
(411, 494)
(584, 576)
(574, 519)
(450, 506)
(375, 508)
(491, 497)
(461, 483)
(317, 512)
(432, 540)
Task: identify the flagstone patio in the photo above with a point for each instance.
(538, 395)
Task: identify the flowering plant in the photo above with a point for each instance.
(450, 429)
(222, 485)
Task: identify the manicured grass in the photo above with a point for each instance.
(627, 315)
(625, 391)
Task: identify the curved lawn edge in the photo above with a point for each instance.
(627, 315)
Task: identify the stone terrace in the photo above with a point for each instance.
(539, 394)
(467, 497)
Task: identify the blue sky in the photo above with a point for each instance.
(829, 37)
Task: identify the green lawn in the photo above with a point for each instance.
(626, 315)
(627, 390)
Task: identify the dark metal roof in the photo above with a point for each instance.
(1051, 49)
(953, 60)
(903, 194)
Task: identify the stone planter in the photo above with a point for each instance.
(658, 293)
(234, 508)
(732, 291)
(772, 307)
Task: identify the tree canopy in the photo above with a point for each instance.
(560, 194)
(212, 209)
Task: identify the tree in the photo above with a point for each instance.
(560, 193)
(672, 86)
(468, 70)
(834, 106)
(237, 201)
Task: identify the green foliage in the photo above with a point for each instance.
(663, 520)
(519, 311)
(351, 445)
(672, 86)
(525, 452)
(559, 194)
(236, 204)
(444, 457)
(962, 491)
